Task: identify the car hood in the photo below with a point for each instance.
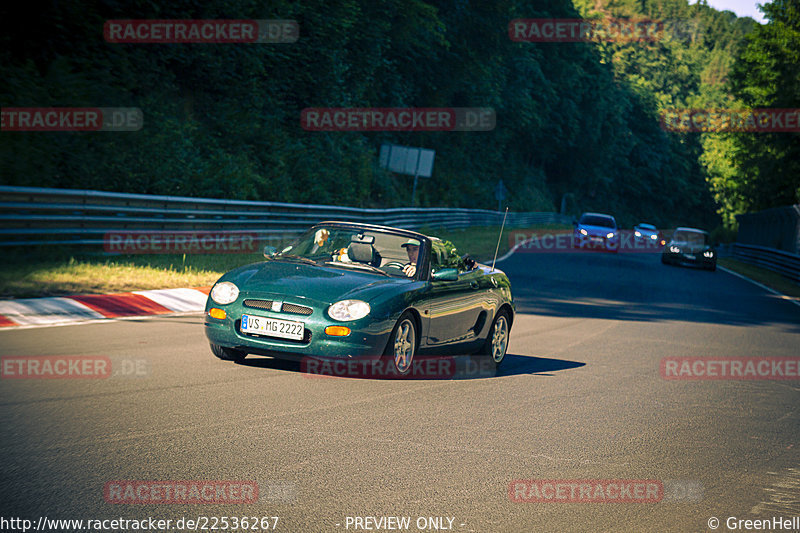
(596, 231)
(322, 283)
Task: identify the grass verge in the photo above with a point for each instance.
(766, 277)
(54, 271)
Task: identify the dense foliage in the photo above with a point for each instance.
(766, 74)
(578, 121)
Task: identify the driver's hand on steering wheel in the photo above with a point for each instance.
(409, 270)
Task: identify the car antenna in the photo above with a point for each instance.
(498, 238)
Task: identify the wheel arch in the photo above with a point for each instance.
(509, 311)
(415, 314)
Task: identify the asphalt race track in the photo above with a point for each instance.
(580, 397)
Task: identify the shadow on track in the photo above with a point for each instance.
(429, 368)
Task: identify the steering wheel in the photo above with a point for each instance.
(395, 264)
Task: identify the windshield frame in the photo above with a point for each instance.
(598, 217)
(423, 259)
(701, 233)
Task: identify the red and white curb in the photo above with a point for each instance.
(31, 312)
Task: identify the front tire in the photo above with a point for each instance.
(402, 345)
(227, 354)
(497, 341)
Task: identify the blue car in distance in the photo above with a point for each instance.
(596, 230)
(646, 233)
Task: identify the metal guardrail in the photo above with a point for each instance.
(42, 216)
(777, 228)
(776, 260)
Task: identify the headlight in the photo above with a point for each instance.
(637, 233)
(674, 249)
(348, 310)
(654, 237)
(610, 235)
(708, 253)
(584, 232)
(225, 292)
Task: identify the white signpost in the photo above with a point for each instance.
(406, 160)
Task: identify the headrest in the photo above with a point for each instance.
(361, 252)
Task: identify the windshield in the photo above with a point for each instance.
(370, 251)
(694, 238)
(598, 220)
(649, 227)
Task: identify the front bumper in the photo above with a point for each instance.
(595, 241)
(689, 259)
(368, 336)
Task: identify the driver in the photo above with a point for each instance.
(412, 249)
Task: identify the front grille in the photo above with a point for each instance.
(259, 304)
(296, 309)
(285, 307)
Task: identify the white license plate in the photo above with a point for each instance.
(689, 256)
(285, 329)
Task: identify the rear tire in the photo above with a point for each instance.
(497, 341)
(227, 354)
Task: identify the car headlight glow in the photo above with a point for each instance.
(610, 235)
(584, 232)
(224, 293)
(348, 310)
(674, 249)
(654, 237)
(637, 233)
(708, 253)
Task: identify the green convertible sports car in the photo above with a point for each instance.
(346, 291)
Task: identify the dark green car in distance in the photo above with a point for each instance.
(346, 291)
(690, 247)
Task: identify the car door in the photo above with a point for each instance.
(454, 307)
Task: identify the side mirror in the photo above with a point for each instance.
(269, 251)
(446, 274)
(469, 262)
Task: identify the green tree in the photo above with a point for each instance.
(766, 74)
